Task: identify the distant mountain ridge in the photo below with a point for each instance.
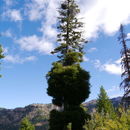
(91, 105)
(37, 113)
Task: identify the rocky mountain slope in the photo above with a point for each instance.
(37, 113)
(91, 105)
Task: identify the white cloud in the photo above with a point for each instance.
(8, 2)
(48, 28)
(113, 89)
(118, 61)
(98, 64)
(30, 58)
(38, 10)
(17, 59)
(7, 33)
(5, 50)
(35, 9)
(45, 10)
(106, 15)
(85, 59)
(92, 49)
(42, 10)
(128, 36)
(35, 43)
(98, 15)
(14, 15)
(116, 95)
(112, 68)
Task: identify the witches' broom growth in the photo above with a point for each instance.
(68, 83)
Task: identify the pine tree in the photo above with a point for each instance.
(125, 61)
(68, 83)
(1, 54)
(104, 105)
(70, 36)
(26, 125)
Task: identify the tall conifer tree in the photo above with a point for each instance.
(125, 61)
(104, 105)
(68, 83)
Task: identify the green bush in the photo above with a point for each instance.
(26, 125)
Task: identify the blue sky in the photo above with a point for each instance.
(28, 34)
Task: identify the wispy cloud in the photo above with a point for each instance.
(17, 59)
(112, 68)
(97, 16)
(8, 2)
(114, 91)
(101, 15)
(116, 95)
(92, 49)
(5, 50)
(13, 15)
(35, 43)
(35, 9)
(85, 58)
(7, 33)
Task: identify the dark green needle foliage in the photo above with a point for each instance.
(1, 54)
(26, 125)
(68, 83)
(70, 37)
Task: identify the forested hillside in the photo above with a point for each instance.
(37, 113)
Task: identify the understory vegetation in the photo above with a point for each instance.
(101, 121)
(106, 117)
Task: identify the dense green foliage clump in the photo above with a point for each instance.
(26, 125)
(68, 85)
